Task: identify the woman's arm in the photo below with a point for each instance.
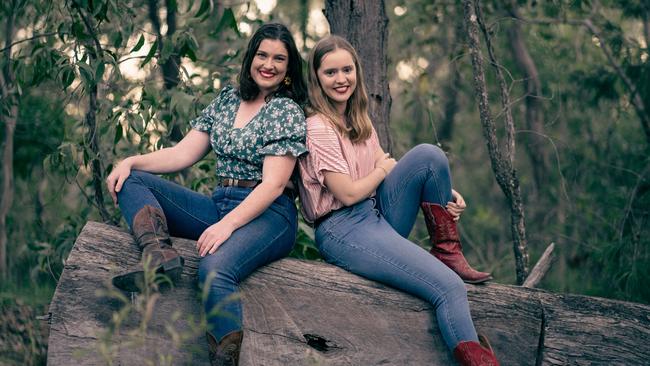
(188, 151)
(276, 172)
(350, 191)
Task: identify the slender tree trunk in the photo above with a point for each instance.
(365, 25)
(10, 103)
(7, 183)
(304, 18)
(535, 141)
(170, 69)
(646, 24)
(450, 91)
(90, 119)
(93, 142)
(503, 167)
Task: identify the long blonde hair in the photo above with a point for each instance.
(356, 126)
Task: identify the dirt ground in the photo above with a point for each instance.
(23, 334)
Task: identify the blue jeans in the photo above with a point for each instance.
(265, 239)
(370, 239)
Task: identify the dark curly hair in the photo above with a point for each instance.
(297, 89)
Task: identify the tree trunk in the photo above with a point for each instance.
(299, 312)
(452, 86)
(90, 119)
(646, 24)
(503, 168)
(534, 114)
(9, 99)
(170, 69)
(365, 25)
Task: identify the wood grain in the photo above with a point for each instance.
(311, 313)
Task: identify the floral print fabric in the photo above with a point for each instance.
(277, 129)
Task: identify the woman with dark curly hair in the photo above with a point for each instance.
(257, 131)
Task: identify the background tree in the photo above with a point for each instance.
(592, 197)
(365, 25)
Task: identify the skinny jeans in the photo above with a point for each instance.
(370, 239)
(267, 238)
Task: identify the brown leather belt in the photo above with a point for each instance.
(247, 183)
(243, 183)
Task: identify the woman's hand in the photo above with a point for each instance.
(457, 206)
(213, 237)
(385, 162)
(116, 179)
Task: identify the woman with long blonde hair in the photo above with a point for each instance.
(363, 203)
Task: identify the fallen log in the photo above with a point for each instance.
(311, 313)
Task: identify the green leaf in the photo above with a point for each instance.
(227, 20)
(116, 39)
(152, 52)
(99, 71)
(78, 31)
(67, 76)
(205, 6)
(118, 133)
(86, 73)
(138, 45)
(62, 31)
(190, 54)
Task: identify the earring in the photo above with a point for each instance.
(287, 81)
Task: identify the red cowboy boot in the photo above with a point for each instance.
(446, 243)
(475, 353)
(226, 351)
(150, 232)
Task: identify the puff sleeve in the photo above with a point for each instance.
(285, 129)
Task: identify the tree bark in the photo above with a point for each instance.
(9, 98)
(452, 86)
(299, 312)
(646, 24)
(503, 167)
(365, 25)
(90, 119)
(170, 69)
(534, 114)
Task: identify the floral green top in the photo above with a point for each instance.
(277, 129)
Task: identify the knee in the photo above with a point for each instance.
(137, 177)
(454, 288)
(431, 154)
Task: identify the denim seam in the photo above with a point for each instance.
(177, 206)
(271, 242)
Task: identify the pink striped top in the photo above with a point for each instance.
(329, 151)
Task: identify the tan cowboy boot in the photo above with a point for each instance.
(225, 352)
(150, 232)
